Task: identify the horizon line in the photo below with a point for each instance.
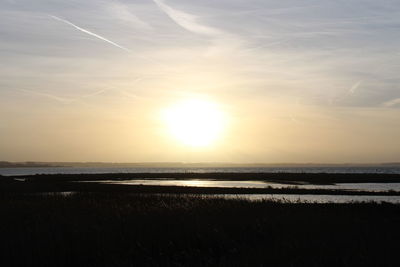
(201, 163)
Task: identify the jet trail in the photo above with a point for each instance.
(91, 33)
(54, 97)
(354, 87)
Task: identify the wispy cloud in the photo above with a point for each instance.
(186, 20)
(99, 92)
(392, 102)
(354, 87)
(50, 96)
(91, 33)
(122, 12)
(62, 99)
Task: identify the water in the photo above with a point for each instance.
(247, 184)
(376, 187)
(89, 170)
(190, 182)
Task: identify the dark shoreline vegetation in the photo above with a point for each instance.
(122, 229)
(43, 187)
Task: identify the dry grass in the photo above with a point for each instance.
(119, 229)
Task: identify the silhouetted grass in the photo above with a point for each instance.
(121, 229)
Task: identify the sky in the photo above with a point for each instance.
(297, 81)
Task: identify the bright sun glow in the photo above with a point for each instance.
(195, 122)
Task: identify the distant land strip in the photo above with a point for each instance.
(33, 164)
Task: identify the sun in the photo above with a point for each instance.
(195, 122)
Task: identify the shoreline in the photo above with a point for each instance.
(57, 186)
(281, 177)
(46, 183)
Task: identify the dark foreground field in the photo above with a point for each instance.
(121, 229)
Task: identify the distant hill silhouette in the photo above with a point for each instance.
(32, 164)
(6, 164)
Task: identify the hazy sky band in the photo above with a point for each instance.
(93, 75)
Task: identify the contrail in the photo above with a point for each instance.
(91, 33)
(61, 99)
(354, 87)
(54, 97)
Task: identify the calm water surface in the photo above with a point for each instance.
(377, 187)
(248, 184)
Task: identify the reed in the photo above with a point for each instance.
(122, 229)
